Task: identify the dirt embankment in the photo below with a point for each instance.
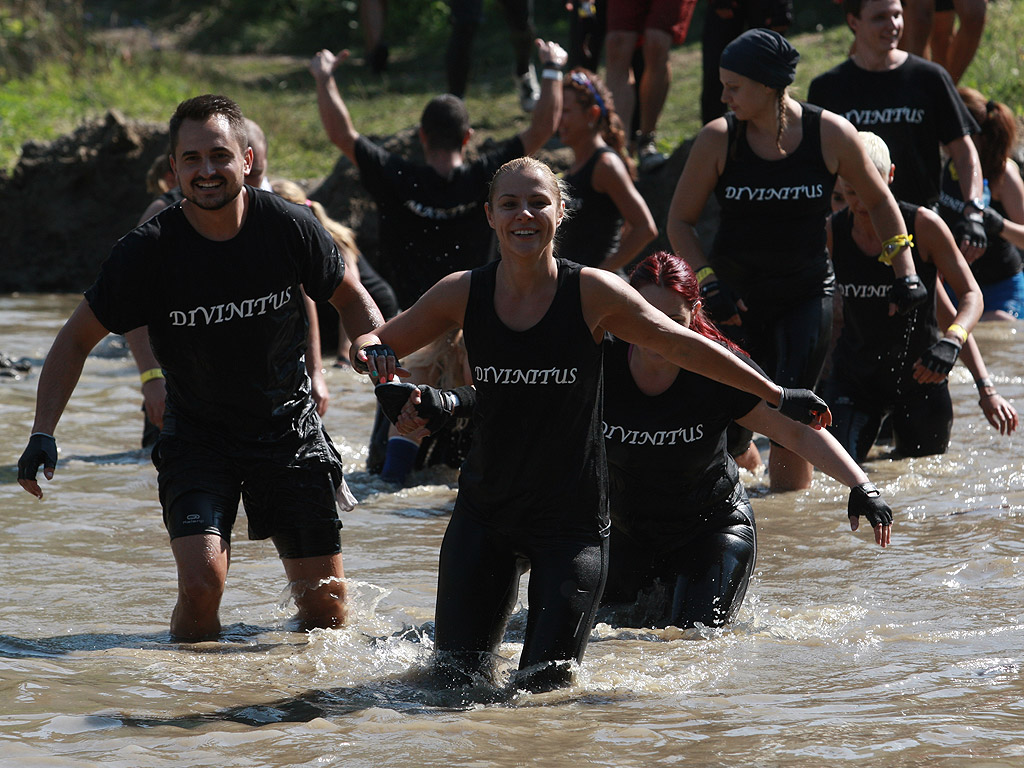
(68, 201)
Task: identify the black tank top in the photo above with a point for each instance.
(770, 243)
(875, 350)
(593, 227)
(537, 463)
(1001, 259)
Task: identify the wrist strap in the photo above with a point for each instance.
(959, 331)
(704, 272)
(894, 245)
(152, 373)
(550, 73)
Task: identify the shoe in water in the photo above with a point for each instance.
(529, 89)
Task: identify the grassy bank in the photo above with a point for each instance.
(142, 69)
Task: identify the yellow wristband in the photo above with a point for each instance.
(704, 272)
(959, 330)
(152, 373)
(894, 245)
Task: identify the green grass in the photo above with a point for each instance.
(277, 91)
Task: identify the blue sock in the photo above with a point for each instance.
(400, 457)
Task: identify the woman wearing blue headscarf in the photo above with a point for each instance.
(772, 162)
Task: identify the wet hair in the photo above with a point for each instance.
(522, 164)
(343, 237)
(201, 109)
(998, 134)
(666, 270)
(877, 151)
(445, 121)
(589, 90)
(768, 58)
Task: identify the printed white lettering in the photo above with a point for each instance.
(220, 313)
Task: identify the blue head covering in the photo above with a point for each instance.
(764, 56)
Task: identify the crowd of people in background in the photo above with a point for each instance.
(599, 399)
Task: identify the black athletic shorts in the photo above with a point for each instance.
(292, 503)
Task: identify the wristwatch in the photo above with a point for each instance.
(977, 204)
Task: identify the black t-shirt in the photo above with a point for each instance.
(770, 244)
(226, 319)
(590, 231)
(875, 353)
(914, 108)
(537, 465)
(667, 457)
(430, 226)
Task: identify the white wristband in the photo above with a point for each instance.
(551, 74)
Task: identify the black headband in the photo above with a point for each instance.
(764, 56)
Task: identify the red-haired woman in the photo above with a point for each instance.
(679, 513)
(608, 222)
(998, 270)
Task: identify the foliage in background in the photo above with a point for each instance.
(143, 69)
(32, 31)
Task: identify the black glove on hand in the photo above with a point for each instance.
(940, 356)
(866, 500)
(719, 302)
(372, 352)
(800, 405)
(970, 227)
(392, 397)
(992, 221)
(41, 450)
(437, 406)
(908, 293)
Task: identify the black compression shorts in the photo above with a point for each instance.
(294, 505)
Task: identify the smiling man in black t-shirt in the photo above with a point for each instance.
(218, 280)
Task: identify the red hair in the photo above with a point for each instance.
(666, 270)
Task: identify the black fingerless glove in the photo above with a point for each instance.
(866, 500)
(940, 356)
(908, 293)
(719, 302)
(437, 406)
(41, 451)
(372, 352)
(440, 406)
(800, 405)
(392, 397)
(971, 227)
(992, 221)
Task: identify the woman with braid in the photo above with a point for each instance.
(608, 222)
(771, 163)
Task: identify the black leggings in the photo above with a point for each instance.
(477, 588)
(466, 17)
(922, 420)
(707, 577)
